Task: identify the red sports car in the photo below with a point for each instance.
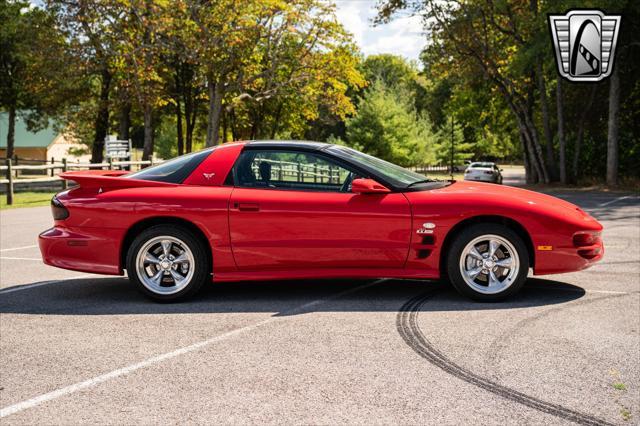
(283, 210)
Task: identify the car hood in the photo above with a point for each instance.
(486, 197)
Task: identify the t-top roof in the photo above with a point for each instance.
(286, 144)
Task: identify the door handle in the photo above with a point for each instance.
(247, 207)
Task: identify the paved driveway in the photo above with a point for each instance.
(77, 348)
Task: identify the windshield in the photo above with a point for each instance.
(173, 171)
(396, 175)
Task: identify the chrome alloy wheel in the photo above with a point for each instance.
(489, 264)
(165, 265)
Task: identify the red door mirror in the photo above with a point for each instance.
(368, 186)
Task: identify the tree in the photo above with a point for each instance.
(393, 70)
(612, 135)
(561, 139)
(486, 37)
(27, 83)
(255, 51)
(89, 27)
(451, 148)
(387, 126)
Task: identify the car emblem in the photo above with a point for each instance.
(208, 175)
(585, 44)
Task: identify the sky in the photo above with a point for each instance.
(402, 36)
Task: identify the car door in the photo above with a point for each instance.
(293, 209)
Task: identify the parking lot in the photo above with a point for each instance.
(79, 348)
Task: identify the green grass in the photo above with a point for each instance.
(626, 414)
(26, 199)
(620, 386)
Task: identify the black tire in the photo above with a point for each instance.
(469, 234)
(201, 267)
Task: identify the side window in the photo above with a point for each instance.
(290, 170)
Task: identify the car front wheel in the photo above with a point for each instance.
(488, 262)
(167, 263)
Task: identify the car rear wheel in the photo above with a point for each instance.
(488, 262)
(167, 263)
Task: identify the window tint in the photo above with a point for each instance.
(290, 170)
(173, 171)
(396, 175)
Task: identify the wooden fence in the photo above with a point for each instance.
(12, 172)
(283, 170)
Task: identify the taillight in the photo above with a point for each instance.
(586, 238)
(588, 243)
(58, 210)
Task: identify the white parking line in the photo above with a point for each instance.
(615, 200)
(21, 258)
(29, 403)
(28, 286)
(19, 248)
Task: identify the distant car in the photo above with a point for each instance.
(483, 172)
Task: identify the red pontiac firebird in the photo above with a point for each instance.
(282, 210)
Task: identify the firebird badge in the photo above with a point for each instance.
(208, 175)
(585, 43)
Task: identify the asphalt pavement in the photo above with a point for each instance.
(78, 348)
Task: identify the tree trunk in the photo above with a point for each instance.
(147, 151)
(179, 127)
(612, 136)
(546, 122)
(529, 171)
(11, 132)
(581, 121)
(124, 121)
(531, 135)
(190, 118)
(101, 125)
(561, 142)
(535, 166)
(276, 121)
(215, 108)
(225, 123)
(232, 122)
(256, 126)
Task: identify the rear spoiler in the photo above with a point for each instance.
(109, 179)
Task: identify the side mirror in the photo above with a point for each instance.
(502, 170)
(368, 186)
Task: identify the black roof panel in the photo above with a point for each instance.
(287, 144)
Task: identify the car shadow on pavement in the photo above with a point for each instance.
(116, 296)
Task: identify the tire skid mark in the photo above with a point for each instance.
(503, 341)
(407, 325)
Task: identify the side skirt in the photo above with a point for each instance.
(324, 273)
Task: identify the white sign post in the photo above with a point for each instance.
(117, 150)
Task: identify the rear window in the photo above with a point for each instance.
(175, 170)
(486, 165)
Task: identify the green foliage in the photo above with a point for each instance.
(455, 144)
(165, 141)
(37, 75)
(387, 126)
